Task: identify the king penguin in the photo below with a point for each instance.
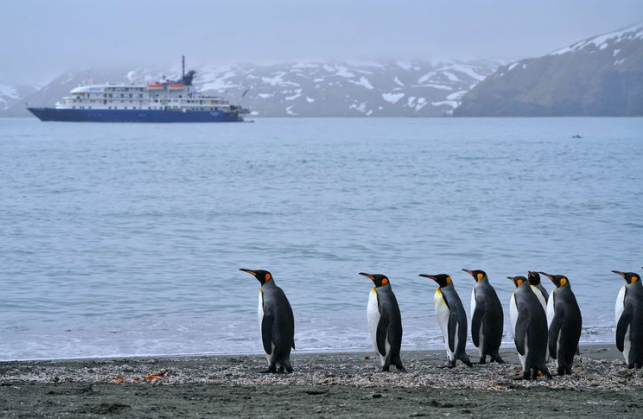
(629, 319)
(534, 282)
(452, 319)
(487, 318)
(529, 325)
(384, 322)
(565, 322)
(276, 321)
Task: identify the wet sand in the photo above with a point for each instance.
(323, 385)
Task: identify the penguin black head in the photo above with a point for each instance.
(378, 280)
(558, 280)
(477, 275)
(442, 279)
(534, 278)
(517, 280)
(262, 276)
(630, 277)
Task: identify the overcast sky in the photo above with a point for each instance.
(41, 39)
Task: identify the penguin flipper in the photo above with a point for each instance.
(382, 331)
(266, 333)
(453, 322)
(520, 333)
(476, 323)
(621, 328)
(293, 345)
(554, 330)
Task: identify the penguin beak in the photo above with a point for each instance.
(428, 276)
(511, 278)
(619, 273)
(468, 271)
(551, 277)
(253, 273)
(369, 276)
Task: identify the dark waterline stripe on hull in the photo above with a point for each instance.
(123, 115)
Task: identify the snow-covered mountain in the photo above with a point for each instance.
(10, 94)
(383, 88)
(388, 88)
(602, 75)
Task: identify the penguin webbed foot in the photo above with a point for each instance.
(497, 359)
(448, 364)
(483, 360)
(401, 368)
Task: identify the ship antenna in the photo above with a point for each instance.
(182, 66)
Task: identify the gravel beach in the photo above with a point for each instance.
(323, 385)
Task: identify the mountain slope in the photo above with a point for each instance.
(12, 94)
(383, 88)
(599, 76)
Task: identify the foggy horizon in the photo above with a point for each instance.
(43, 40)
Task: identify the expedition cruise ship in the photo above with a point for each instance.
(162, 101)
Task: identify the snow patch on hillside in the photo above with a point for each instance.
(363, 81)
(603, 41)
(392, 97)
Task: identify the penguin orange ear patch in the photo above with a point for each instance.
(448, 279)
(519, 282)
(563, 282)
(384, 281)
(634, 278)
(480, 276)
(268, 276)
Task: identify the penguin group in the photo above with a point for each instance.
(544, 325)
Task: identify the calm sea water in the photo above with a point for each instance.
(124, 239)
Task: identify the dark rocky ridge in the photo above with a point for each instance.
(600, 76)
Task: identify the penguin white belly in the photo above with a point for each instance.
(473, 310)
(618, 311)
(260, 317)
(373, 316)
(514, 319)
(540, 296)
(473, 302)
(442, 313)
(620, 304)
(550, 309)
